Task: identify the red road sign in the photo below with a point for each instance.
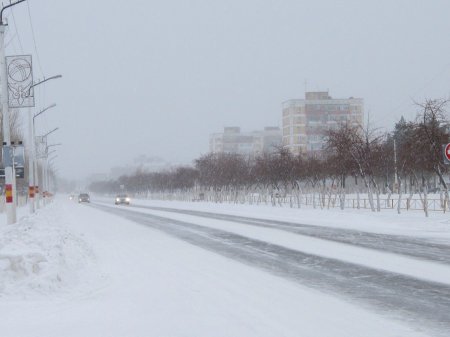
(447, 152)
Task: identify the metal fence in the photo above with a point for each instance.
(413, 204)
(309, 200)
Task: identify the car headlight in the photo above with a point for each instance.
(117, 199)
(127, 199)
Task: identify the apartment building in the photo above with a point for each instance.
(306, 120)
(254, 143)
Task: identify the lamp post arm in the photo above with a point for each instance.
(51, 145)
(6, 7)
(44, 136)
(43, 110)
(49, 153)
(43, 81)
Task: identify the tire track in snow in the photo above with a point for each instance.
(398, 244)
(419, 302)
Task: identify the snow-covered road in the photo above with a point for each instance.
(401, 244)
(423, 295)
(126, 271)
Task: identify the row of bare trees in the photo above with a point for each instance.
(355, 159)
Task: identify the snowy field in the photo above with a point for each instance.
(100, 270)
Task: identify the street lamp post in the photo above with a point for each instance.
(33, 189)
(8, 160)
(34, 178)
(45, 167)
(50, 168)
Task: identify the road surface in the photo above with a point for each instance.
(416, 301)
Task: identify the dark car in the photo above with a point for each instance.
(122, 199)
(84, 197)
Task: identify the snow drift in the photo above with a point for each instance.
(39, 256)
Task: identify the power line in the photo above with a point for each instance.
(11, 40)
(416, 92)
(17, 31)
(34, 39)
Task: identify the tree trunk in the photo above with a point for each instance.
(342, 198)
(370, 194)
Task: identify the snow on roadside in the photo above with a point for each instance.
(39, 256)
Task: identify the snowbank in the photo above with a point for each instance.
(39, 256)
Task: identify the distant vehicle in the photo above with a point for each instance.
(83, 197)
(71, 197)
(122, 199)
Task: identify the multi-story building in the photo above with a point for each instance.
(306, 120)
(232, 140)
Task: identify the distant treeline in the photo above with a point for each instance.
(371, 159)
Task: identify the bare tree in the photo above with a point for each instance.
(432, 133)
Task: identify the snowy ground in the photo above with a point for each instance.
(100, 270)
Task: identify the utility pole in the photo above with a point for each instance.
(31, 155)
(36, 161)
(395, 168)
(7, 153)
(33, 189)
(41, 195)
(45, 181)
(7, 149)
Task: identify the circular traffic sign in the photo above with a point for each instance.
(447, 152)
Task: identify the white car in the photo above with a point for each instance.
(123, 199)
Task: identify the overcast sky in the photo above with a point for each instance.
(157, 77)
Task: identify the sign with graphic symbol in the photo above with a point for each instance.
(446, 154)
(20, 80)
